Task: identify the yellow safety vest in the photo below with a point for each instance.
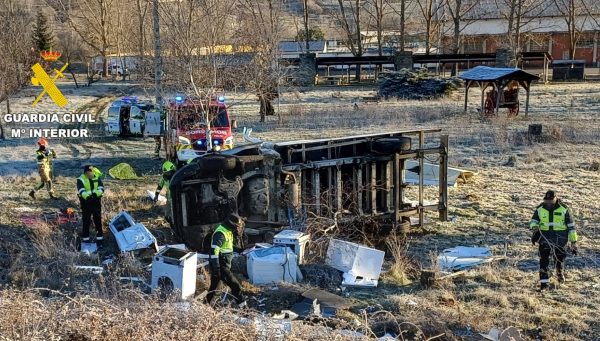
(227, 246)
(558, 219)
(89, 187)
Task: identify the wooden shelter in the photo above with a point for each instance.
(499, 79)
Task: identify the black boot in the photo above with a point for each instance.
(544, 286)
(32, 194)
(99, 242)
(561, 277)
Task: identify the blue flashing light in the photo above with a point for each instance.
(200, 142)
(221, 99)
(216, 142)
(178, 99)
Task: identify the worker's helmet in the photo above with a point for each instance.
(168, 166)
(42, 142)
(235, 221)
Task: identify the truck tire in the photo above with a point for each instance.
(217, 163)
(390, 145)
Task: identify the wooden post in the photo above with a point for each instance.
(338, 188)
(468, 84)
(317, 190)
(397, 187)
(443, 180)
(482, 85)
(499, 89)
(527, 98)
(421, 175)
(373, 187)
(359, 196)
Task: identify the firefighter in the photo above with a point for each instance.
(157, 145)
(553, 228)
(90, 190)
(221, 256)
(168, 169)
(44, 157)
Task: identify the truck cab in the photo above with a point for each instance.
(130, 117)
(189, 120)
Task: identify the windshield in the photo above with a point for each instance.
(219, 120)
(113, 113)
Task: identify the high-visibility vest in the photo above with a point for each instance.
(227, 246)
(89, 187)
(558, 219)
(44, 160)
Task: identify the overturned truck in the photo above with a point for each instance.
(277, 184)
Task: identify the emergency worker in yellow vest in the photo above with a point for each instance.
(168, 169)
(553, 228)
(90, 190)
(221, 256)
(44, 156)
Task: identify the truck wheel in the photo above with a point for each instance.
(391, 145)
(216, 163)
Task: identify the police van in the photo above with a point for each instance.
(129, 116)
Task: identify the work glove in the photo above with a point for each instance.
(215, 267)
(53, 152)
(535, 237)
(156, 197)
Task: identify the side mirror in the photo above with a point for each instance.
(184, 140)
(233, 124)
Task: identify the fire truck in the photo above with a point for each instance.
(197, 126)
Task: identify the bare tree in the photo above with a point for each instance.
(430, 11)
(261, 28)
(519, 14)
(91, 19)
(142, 8)
(458, 10)
(575, 14)
(349, 20)
(377, 11)
(17, 53)
(72, 50)
(402, 16)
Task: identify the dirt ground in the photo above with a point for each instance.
(492, 209)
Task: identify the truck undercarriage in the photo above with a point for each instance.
(276, 184)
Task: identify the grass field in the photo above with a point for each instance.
(44, 297)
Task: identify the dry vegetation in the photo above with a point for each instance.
(44, 297)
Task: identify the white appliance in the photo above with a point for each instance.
(175, 270)
(272, 265)
(360, 264)
(295, 240)
(129, 234)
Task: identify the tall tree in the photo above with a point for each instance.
(16, 54)
(261, 28)
(43, 39)
(575, 14)
(377, 10)
(430, 12)
(519, 14)
(91, 19)
(349, 20)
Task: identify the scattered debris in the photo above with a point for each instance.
(256, 247)
(130, 235)
(123, 171)
(161, 199)
(508, 334)
(94, 269)
(286, 315)
(431, 174)
(108, 260)
(174, 269)
(307, 307)
(272, 265)
(462, 257)
(429, 277)
(295, 240)
(361, 264)
(327, 299)
(418, 85)
(322, 276)
(88, 248)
